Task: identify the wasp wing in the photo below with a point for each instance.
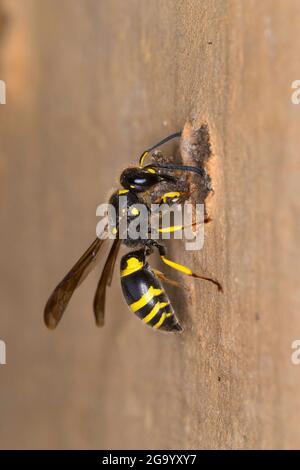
(105, 280)
(62, 294)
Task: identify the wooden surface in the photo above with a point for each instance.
(90, 84)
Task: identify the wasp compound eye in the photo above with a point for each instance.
(139, 179)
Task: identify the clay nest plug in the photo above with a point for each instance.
(195, 149)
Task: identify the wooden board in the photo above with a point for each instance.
(89, 85)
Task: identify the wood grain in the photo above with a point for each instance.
(90, 84)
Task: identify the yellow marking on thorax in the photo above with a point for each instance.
(151, 292)
(151, 170)
(133, 265)
(160, 321)
(177, 266)
(123, 191)
(154, 311)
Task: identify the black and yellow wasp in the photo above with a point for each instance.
(141, 285)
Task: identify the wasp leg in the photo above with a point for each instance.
(173, 167)
(174, 197)
(183, 269)
(177, 228)
(164, 278)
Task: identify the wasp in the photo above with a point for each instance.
(142, 286)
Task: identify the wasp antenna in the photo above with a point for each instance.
(173, 166)
(165, 140)
(161, 142)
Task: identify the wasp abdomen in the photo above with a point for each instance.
(146, 296)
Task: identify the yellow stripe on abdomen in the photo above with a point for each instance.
(160, 321)
(154, 311)
(145, 299)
